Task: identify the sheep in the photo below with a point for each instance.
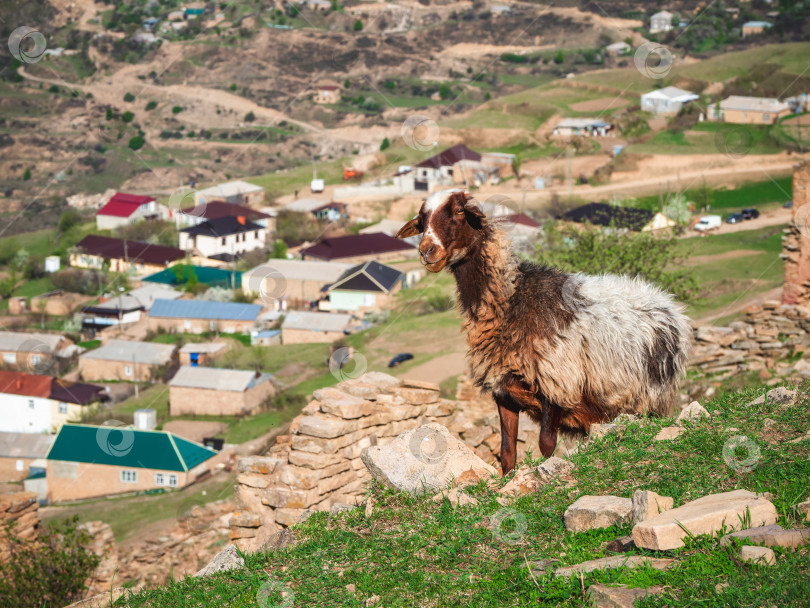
(570, 350)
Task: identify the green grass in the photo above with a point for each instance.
(752, 194)
(414, 552)
(711, 138)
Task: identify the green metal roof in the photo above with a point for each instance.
(127, 447)
(180, 274)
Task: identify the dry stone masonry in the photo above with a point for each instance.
(796, 242)
(19, 514)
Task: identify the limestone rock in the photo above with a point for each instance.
(343, 405)
(384, 382)
(703, 516)
(589, 512)
(280, 540)
(554, 467)
(668, 433)
(227, 559)
(245, 520)
(456, 498)
(428, 386)
(341, 507)
(600, 430)
(356, 388)
(524, 482)
(469, 478)
(647, 505)
(778, 396)
(757, 555)
(693, 412)
(804, 509)
(416, 396)
(424, 459)
(602, 596)
(770, 536)
(615, 561)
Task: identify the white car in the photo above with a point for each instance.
(708, 222)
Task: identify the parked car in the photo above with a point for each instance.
(788, 204)
(750, 213)
(708, 222)
(400, 358)
(734, 218)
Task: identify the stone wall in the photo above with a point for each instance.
(761, 341)
(318, 464)
(796, 242)
(19, 513)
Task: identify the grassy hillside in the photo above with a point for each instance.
(413, 552)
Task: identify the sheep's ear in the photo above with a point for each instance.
(473, 207)
(410, 229)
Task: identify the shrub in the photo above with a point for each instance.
(358, 25)
(385, 144)
(68, 220)
(250, 117)
(27, 174)
(177, 109)
(151, 106)
(79, 280)
(50, 572)
(137, 142)
(127, 116)
(129, 98)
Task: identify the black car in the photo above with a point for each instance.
(400, 358)
(750, 213)
(734, 218)
(788, 204)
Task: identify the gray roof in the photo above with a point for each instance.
(230, 189)
(304, 205)
(673, 93)
(203, 347)
(753, 104)
(143, 297)
(28, 342)
(202, 309)
(217, 379)
(25, 445)
(386, 226)
(295, 270)
(316, 321)
(149, 353)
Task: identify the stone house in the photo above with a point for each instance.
(125, 308)
(327, 93)
(56, 303)
(91, 461)
(224, 238)
(201, 353)
(212, 210)
(359, 248)
(366, 287)
(31, 352)
(301, 327)
(575, 127)
(199, 316)
(740, 109)
(297, 282)
(666, 101)
(752, 28)
(661, 22)
(123, 209)
(238, 192)
(96, 252)
(19, 451)
(126, 360)
(209, 391)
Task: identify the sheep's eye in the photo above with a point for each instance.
(459, 210)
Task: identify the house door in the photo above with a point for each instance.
(195, 359)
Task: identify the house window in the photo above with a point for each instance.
(159, 479)
(63, 408)
(766, 117)
(128, 370)
(9, 358)
(172, 480)
(20, 465)
(31, 404)
(187, 324)
(128, 476)
(35, 359)
(256, 234)
(223, 240)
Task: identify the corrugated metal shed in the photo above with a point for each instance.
(148, 353)
(217, 379)
(25, 445)
(201, 309)
(316, 321)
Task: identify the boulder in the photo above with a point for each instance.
(383, 382)
(227, 559)
(524, 482)
(589, 512)
(668, 433)
(757, 555)
(280, 540)
(693, 412)
(343, 405)
(770, 536)
(778, 396)
(614, 561)
(425, 459)
(647, 505)
(703, 516)
(602, 596)
(554, 467)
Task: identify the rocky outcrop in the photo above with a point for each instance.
(590, 512)
(19, 515)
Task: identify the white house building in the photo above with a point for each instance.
(661, 22)
(668, 100)
(123, 209)
(224, 238)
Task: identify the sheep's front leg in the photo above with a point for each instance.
(549, 426)
(509, 414)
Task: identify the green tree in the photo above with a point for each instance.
(151, 105)
(385, 144)
(677, 209)
(358, 25)
(68, 220)
(279, 250)
(250, 117)
(137, 142)
(129, 97)
(177, 109)
(445, 92)
(594, 250)
(27, 174)
(559, 58)
(127, 116)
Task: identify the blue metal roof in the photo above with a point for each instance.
(201, 309)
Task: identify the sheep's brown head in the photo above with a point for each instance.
(451, 222)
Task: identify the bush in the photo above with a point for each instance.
(177, 109)
(358, 25)
(79, 280)
(50, 572)
(137, 142)
(127, 116)
(151, 106)
(385, 144)
(250, 117)
(27, 174)
(68, 220)
(129, 98)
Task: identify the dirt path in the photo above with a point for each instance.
(728, 255)
(739, 305)
(439, 369)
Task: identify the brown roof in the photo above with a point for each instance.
(134, 251)
(450, 157)
(217, 209)
(34, 385)
(355, 245)
(521, 218)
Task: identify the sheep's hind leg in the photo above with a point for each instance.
(509, 414)
(549, 425)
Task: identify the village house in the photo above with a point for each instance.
(300, 327)
(33, 403)
(357, 248)
(666, 101)
(266, 337)
(749, 110)
(331, 212)
(199, 316)
(661, 22)
(327, 93)
(303, 205)
(752, 28)
(618, 48)
(19, 452)
(613, 216)
(438, 170)
(56, 303)
(214, 210)
(238, 192)
(210, 391)
(91, 461)
(575, 127)
(366, 287)
(125, 308)
(181, 275)
(97, 252)
(124, 209)
(196, 354)
(126, 360)
(519, 226)
(297, 283)
(225, 238)
(31, 352)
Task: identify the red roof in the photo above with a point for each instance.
(450, 157)
(355, 245)
(124, 205)
(29, 385)
(521, 218)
